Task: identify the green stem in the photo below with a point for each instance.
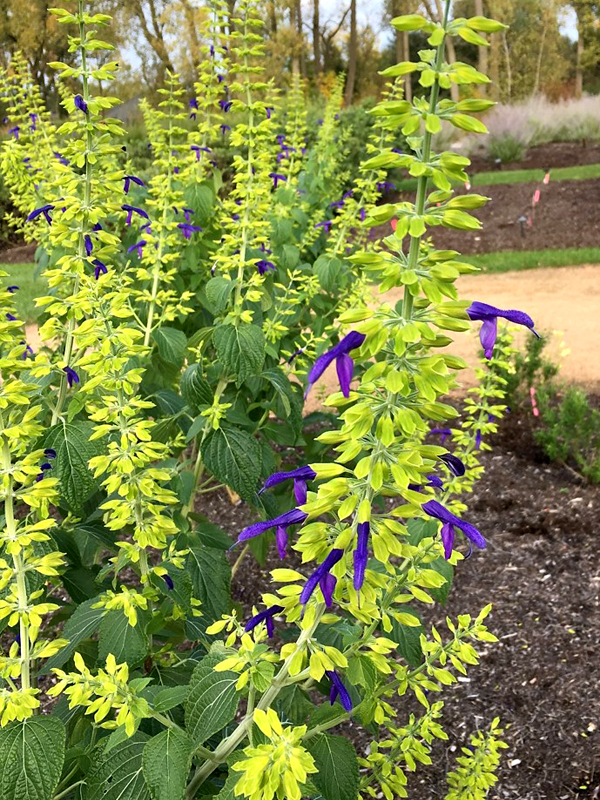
(68, 790)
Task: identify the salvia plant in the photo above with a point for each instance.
(190, 310)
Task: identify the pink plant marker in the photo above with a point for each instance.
(394, 223)
(546, 180)
(534, 408)
(468, 185)
(536, 197)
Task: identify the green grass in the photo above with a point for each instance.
(507, 260)
(578, 173)
(30, 287)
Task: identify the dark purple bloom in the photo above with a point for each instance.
(478, 438)
(187, 212)
(337, 204)
(321, 576)
(193, 103)
(265, 616)
(293, 517)
(276, 177)
(326, 225)
(454, 464)
(300, 476)
(45, 210)
(187, 229)
(489, 316)
(15, 131)
(224, 129)
(97, 227)
(269, 110)
(362, 214)
(28, 351)
(130, 209)
(280, 139)
(451, 521)
(384, 186)
(87, 242)
(443, 432)
(433, 482)
(361, 554)
(138, 246)
(220, 78)
(281, 540)
(11, 317)
(169, 581)
(49, 452)
(212, 50)
(339, 690)
(80, 103)
(72, 376)
(343, 362)
(225, 105)
(129, 179)
(12, 289)
(62, 159)
(100, 268)
(264, 266)
(44, 467)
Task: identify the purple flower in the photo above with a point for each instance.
(276, 178)
(264, 266)
(187, 229)
(11, 317)
(339, 690)
(343, 362)
(15, 131)
(280, 139)
(337, 203)
(265, 616)
(293, 517)
(130, 209)
(326, 225)
(80, 103)
(49, 452)
(362, 214)
(225, 105)
(269, 110)
(361, 554)
(489, 316)
(12, 289)
(100, 268)
(87, 242)
(138, 246)
(193, 103)
(443, 432)
(451, 521)
(72, 376)
(97, 227)
(45, 210)
(300, 476)
(384, 186)
(129, 179)
(478, 436)
(187, 212)
(224, 129)
(62, 159)
(322, 577)
(220, 78)
(454, 464)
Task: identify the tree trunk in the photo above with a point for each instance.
(579, 61)
(495, 66)
(272, 18)
(316, 34)
(407, 78)
(300, 33)
(352, 55)
(190, 21)
(482, 61)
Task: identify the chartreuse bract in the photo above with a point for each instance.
(115, 596)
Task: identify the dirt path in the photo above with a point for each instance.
(564, 301)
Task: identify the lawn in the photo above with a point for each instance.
(30, 286)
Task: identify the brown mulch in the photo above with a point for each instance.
(546, 156)
(20, 254)
(541, 571)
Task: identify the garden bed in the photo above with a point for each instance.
(546, 156)
(541, 572)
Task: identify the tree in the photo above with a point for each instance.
(316, 38)
(352, 55)
(588, 39)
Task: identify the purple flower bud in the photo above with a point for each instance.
(169, 581)
(100, 268)
(187, 229)
(130, 209)
(14, 131)
(225, 105)
(72, 376)
(87, 242)
(293, 517)
(264, 266)
(80, 103)
(224, 129)
(326, 225)
(269, 110)
(12, 289)
(361, 554)
(129, 179)
(265, 616)
(339, 690)
(454, 464)
(276, 177)
(344, 363)
(138, 247)
(50, 452)
(311, 584)
(45, 210)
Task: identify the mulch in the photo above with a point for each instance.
(541, 571)
(545, 156)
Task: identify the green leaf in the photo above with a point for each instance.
(126, 643)
(195, 390)
(335, 758)
(168, 698)
(166, 761)
(447, 571)
(209, 534)
(408, 638)
(211, 575)
(172, 344)
(32, 753)
(82, 623)
(217, 294)
(328, 270)
(118, 773)
(241, 349)
(212, 701)
(362, 672)
(71, 440)
(411, 22)
(280, 382)
(234, 457)
(200, 197)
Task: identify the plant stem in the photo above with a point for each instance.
(68, 790)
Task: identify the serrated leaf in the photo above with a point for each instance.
(166, 760)
(32, 753)
(195, 390)
(211, 576)
(335, 758)
(171, 344)
(212, 701)
(408, 638)
(82, 623)
(168, 698)
(118, 773)
(241, 349)
(71, 441)
(126, 642)
(447, 571)
(209, 534)
(328, 270)
(234, 457)
(217, 294)
(200, 197)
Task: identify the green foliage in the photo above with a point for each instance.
(506, 149)
(475, 772)
(32, 753)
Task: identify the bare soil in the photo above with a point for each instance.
(546, 156)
